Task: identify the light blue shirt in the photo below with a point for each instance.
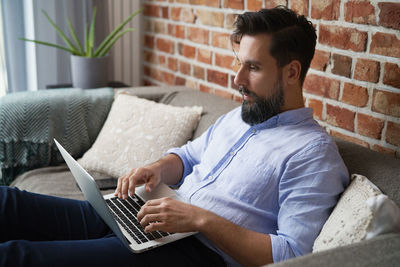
(281, 177)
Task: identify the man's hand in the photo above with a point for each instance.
(168, 170)
(149, 175)
(170, 215)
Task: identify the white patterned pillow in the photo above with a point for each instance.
(351, 217)
(137, 132)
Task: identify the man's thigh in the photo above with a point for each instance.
(107, 251)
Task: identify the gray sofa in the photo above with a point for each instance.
(382, 170)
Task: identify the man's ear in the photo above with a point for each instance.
(291, 72)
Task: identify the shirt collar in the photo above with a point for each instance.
(294, 116)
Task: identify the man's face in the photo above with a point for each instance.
(259, 80)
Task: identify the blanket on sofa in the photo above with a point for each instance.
(29, 121)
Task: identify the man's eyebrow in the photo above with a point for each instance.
(252, 62)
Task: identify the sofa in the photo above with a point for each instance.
(382, 170)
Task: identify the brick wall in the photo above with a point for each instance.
(354, 81)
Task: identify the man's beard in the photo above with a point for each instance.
(261, 109)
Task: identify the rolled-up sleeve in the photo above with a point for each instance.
(309, 189)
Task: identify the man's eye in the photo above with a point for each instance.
(253, 67)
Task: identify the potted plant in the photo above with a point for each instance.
(89, 64)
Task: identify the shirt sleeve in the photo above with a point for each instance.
(191, 152)
(309, 189)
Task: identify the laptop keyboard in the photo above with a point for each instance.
(125, 212)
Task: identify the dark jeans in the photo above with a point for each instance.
(39, 230)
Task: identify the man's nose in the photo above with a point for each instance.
(240, 79)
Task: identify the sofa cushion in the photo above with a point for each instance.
(362, 212)
(137, 132)
(381, 169)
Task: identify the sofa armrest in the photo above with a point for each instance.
(31, 120)
(383, 251)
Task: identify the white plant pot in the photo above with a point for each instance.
(89, 72)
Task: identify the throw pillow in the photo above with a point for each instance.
(137, 132)
(350, 218)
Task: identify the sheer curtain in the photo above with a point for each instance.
(31, 66)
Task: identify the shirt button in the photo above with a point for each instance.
(210, 177)
(254, 131)
(231, 153)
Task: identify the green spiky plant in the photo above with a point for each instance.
(88, 50)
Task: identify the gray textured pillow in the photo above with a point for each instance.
(137, 132)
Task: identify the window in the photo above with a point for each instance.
(3, 69)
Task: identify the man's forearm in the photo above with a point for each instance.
(171, 169)
(245, 246)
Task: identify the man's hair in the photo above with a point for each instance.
(293, 36)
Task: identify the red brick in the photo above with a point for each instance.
(175, 13)
(319, 85)
(217, 77)
(235, 4)
(340, 117)
(367, 70)
(205, 89)
(184, 67)
(385, 44)
(156, 74)
(254, 5)
(180, 81)
(355, 95)
(198, 72)
(220, 39)
(225, 61)
(341, 65)
(317, 106)
(165, 12)
(389, 15)
(392, 75)
(211, 3)
(152, 10)
(165, 45)
(172, 64)
(168, 78)
(360, 12)
(207, 17)
(187, 50)
(349, 138)
(204, 56)
(197, 35)
(343, 38)
(386, 102)
(229, 20)
(162, 61)
(146, 70)
(369, 126)
(223, 93)
(176, 30)
(187, 15)
(328, 10)
(148, 41)
(320, 60)
(299, 6)
(385, 150)
(393, 133)
(274, 3)
(150, 56)
(160, 27)
(191, 84)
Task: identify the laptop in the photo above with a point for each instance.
(119, 214)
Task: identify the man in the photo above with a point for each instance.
(263, 179)
(259, 183)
